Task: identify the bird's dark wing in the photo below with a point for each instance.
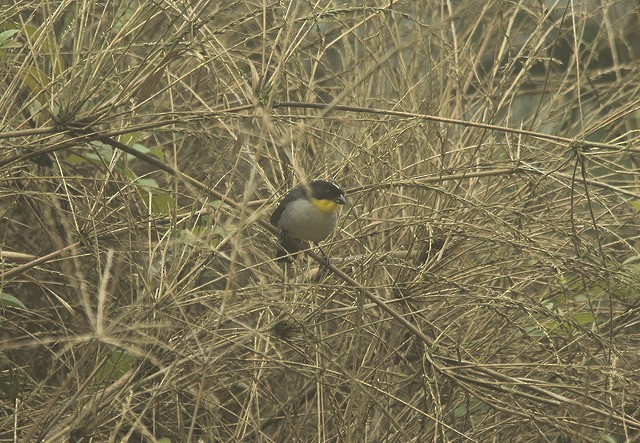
(294, 194)
(288, 246)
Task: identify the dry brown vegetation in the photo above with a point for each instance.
(486, 276)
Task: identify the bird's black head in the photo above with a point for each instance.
(324, 190)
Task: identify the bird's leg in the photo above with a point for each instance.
(324, 263)
(325, 257)
(284, 247)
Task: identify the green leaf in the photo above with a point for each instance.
(36, 80)
(220, 231)
(549, 328)
(11, 301)
(630, 278)
(203, 232)
(10, 386)
(461, 411)
(100, 152)
(75, 160)
(631, 260)
(161, 201)
(140, 148)
(584, 318)
(130, 138)
(35, 107)
(148, 184)
(465, 408)
(156, 152)
(97, 153)
(118, 364)
(534, 331)
(5, 36)
(635, 204)
(48, 45)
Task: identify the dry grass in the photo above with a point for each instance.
(486, 281)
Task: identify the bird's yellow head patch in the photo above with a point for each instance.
(324, 205)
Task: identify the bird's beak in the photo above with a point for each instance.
(341, 200)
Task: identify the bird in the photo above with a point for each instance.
(307, 213)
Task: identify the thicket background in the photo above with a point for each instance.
(137, 305)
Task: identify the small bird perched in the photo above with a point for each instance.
(308, 213)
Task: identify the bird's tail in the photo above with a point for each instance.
(288, 247)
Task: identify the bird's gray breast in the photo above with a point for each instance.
(302, 220)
